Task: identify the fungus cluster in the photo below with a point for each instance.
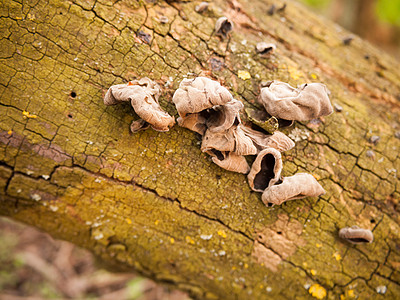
(206, 107)
(143, 95)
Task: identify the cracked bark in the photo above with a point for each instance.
(152, 202)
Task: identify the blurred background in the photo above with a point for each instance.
(35, 266)
(377, 21)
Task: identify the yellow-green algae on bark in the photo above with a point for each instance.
(152, 202)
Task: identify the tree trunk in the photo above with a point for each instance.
(152, 202)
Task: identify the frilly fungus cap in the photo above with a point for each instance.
(143, 95)
(195, 122)
(223, 26)
(230, 161)
(307, 102)
(356, 235)
(265, 48)
(231, 140)
(266, 170)
(223, 117)
(278, 140)
(298, 186)
(195, 95)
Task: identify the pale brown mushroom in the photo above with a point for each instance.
(309, 101)
(231, 140)
(223, 117)
(298, 186)
(201, 93)
(143, 95)
(266, 170)
(356, 235)
(230, 161)
(265, 48)
(223, 26)
(195, 122)
(278, 140)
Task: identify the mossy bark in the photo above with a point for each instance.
(152, 202)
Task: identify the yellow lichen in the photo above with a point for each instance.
(129, 221)
(189, 240)
(337, 256)
(156, 222)
(318, 245)
(222, 233)
(172, 240)
(244, 75)
(317, 291)
(26, 114)
(313, 272)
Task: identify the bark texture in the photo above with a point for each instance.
(152, 202)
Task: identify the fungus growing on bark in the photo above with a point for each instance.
(231, 140)
(195, 122)
(143, 95)
(356, 235)
(309, 101)
(229, 161)
(278, 140)
(265, 48)
(298, 186)
(203, 6)
(265, 121)
(223, 117)
(223, 26)
(266, 170)
(195, 95)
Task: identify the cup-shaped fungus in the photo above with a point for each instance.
(266, 170)
(298, 186)
(195, 122)
(223, 26)
(223, 117)
(265, 48)
(229, 161)
(278, 140)
(196, 95)
(143, 95)
(309, 101)
(231, 140)
(356, 235)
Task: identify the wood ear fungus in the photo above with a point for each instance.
(230, 161)
(356, 235)
(231, 140)
(195, 122)
(143, 95)
(264, 48)
(266, 170)
(196, 95)
(278, 140)
(298, 186)
(223, 26)
(309, 101)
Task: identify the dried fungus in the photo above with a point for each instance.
(356, 235)
(223, 26)
(264, 48)
(230, 161)
(278, 140)
(223, 117)
(298, 186)
(309, 101)
(143, 95)
(201, 93)
(195, 122)
(266, 170)
(231, 140)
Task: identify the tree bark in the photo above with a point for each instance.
(152, 202)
